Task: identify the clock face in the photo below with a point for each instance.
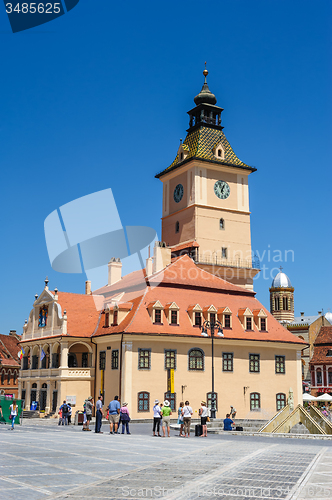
(222, 190)
(178, 193)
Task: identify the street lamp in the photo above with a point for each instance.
(212, 325)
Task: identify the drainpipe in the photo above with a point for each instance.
(94, 389)
(120, 374)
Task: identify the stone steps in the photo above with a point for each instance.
(30, 414)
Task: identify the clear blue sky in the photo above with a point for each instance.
(98, 98)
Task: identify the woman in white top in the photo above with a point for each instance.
(156, 418)
(13, 413)
(203, 412)
(187, 411)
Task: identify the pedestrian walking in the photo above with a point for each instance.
(88, 413)
(232, 412)
(124, 418)
(99, 414)
(166, 413)
(13, 413)
(64, 409)
(203, 412)
(69, 413)
(180, 418)
(187, 411)
(60, 416)
(156, 418)
(114, 414)
(228, 422)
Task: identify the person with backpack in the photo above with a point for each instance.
(65, 410)
(69, 413)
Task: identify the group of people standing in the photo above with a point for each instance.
(116, 414)
(65, 412)
(162, 417)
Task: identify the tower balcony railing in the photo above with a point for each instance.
(237, 263)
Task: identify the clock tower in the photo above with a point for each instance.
(205, 209)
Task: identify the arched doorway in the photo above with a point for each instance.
(79, 356)
(33, 393)
(43, 397)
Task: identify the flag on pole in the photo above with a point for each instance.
(21, 353)
(42, 356)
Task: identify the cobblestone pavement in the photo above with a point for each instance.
(41, 460)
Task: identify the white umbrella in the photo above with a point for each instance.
(324, 397)
(308, 397)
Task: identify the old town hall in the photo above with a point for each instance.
(150, 323)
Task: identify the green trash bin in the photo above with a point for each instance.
(5, 403)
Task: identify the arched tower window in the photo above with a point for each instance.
(276, 304)
(285, 303)
(221, 224)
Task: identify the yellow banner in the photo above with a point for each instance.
(170, 381)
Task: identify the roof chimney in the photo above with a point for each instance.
(88, 288)
(161, 256)
(12, 332)
(302, 314)
(149, 266)
(114, 271)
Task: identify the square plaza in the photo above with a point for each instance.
(42, 460)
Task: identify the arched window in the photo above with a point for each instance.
(330, 376)
(196, 359)
(143, 401)
(276, 303)
(280, 401)
(34, 386)
(3, 377)
(181, 156)
(8, 377)
(15, 378)
(255, 401)
(221, 224)
(177, 226)
(319, 376)
(285, 303)
(44, 386)
(72, 360)
(209, 400)
(219, 153)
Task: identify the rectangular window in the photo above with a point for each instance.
(198, 319)
(224, 253)
(254, 363)
(319, 377)
(171, 397)
(35, 362)
(280, 364)
(330, 377)
(107, 319)
(227, 361)
(170, 359)
(263, 324)
(255, 401)
(157, 315)
(115, 359)
(115, 317)
(55, 360)
(26, 363)
(85, 359)
(248, 323)
(143, 401)
(102, 360)
(144, 359)
(281, 401)
(212, 318)
(174, 317)
(227, 320)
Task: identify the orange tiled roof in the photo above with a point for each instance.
(9, 346)
(322, 345)
(183, 282)
(81, 311)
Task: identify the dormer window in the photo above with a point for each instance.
(219, 152)
(225, 317)
(171, 312)
(181, 156)
(174, 317)
(107, 319)
(213, 318)
(115, 317)
(260, 318)
(157, 315)
(246, 318)
(248, 323)
(155, 310)
(198, 319)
